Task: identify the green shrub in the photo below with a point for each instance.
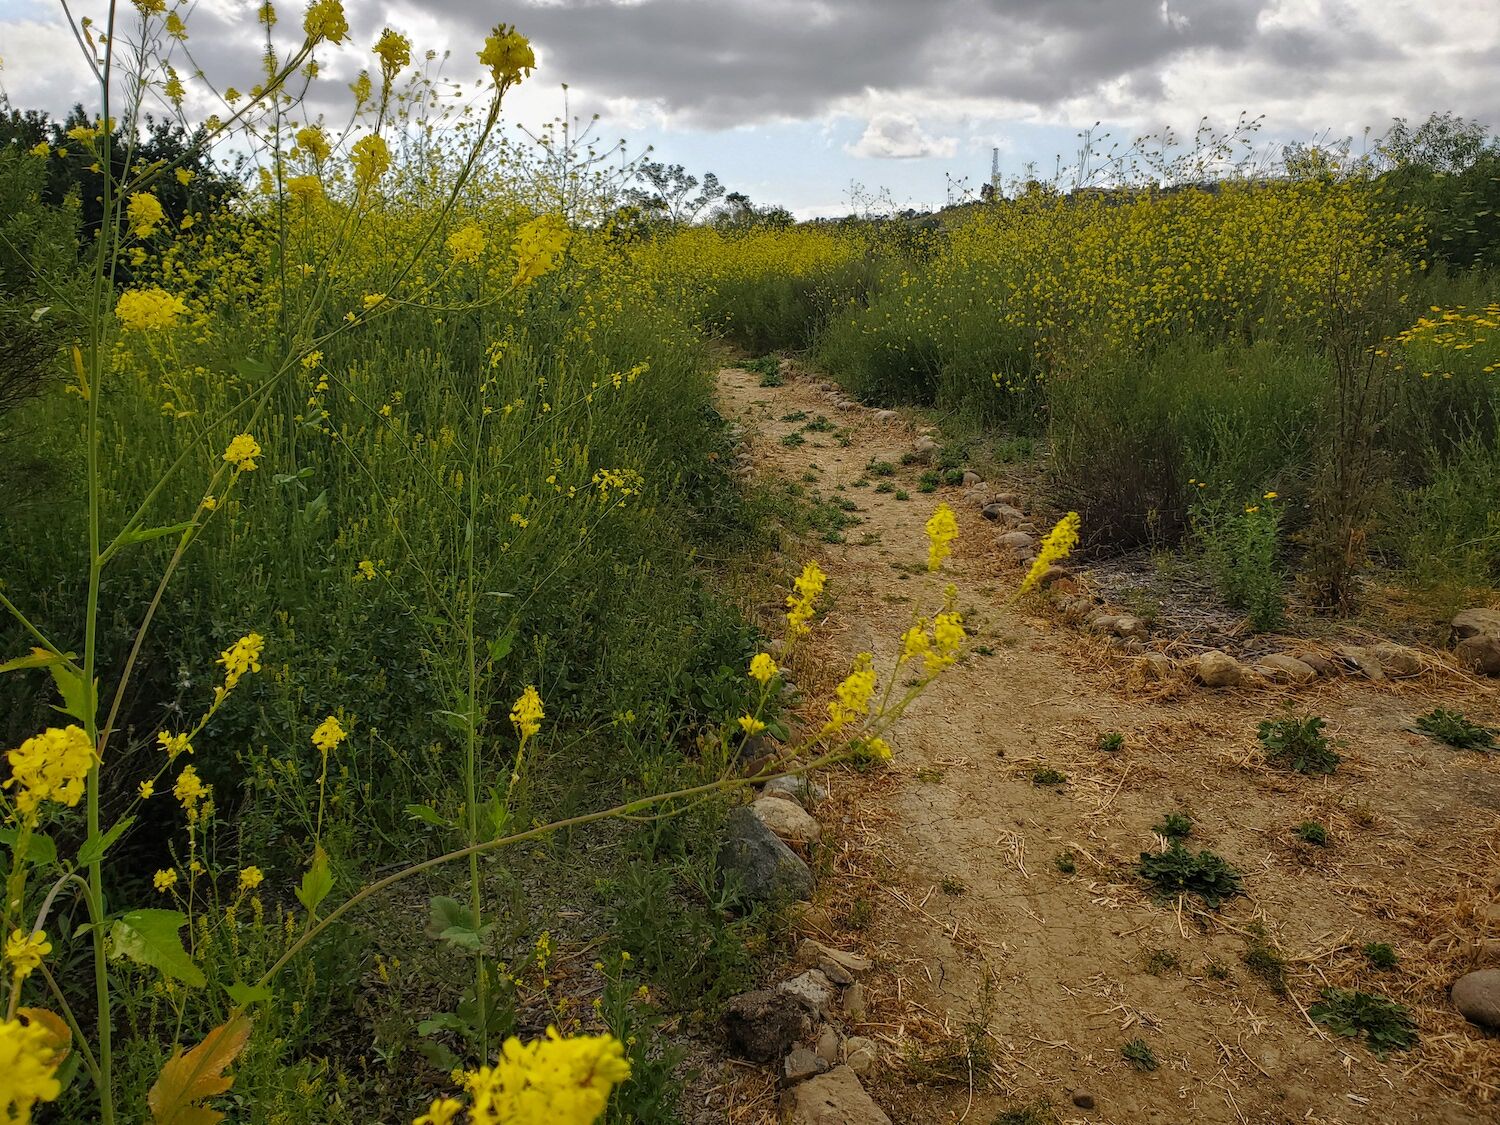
(1298, 744)
(1455, 729)
(1178, 871)
(1385, 1025)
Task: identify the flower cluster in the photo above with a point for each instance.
(144, 211)
(242, 452)
(1059, 543)
(241, 657)
(800, 604)
(466, 244)
(25, 950)
(527, 713)
(371, 158)
(537, 247)
(50, 767)
(553, 1081)
(942, 530)
(143, 310)
(329, 734)
(28, 1069)
(852, 697)
(508, 56)
(325, 20)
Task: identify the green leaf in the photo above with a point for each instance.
(493, 817)
(39, 658)
(317, 881)
(500, 647)
(452, 922)
(39, 848)
(78, 701)
(150, 938)
(146, 534)
(93, 849)
(428, 815)
(254, 368)
(245, 995)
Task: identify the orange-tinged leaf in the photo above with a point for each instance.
(192, 1077)
(60, 1033)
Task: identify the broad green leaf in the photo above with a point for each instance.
(188, 1080)
(93, 850)
(317, 881)
(77, 700)
(428, 815)
(150, 937)
(39, 848)
(39, 658)
(500, 647)
(450, 921)
(254, 368)
(494, 817)
(438, 1055)
(247, 994)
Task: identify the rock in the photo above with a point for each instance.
(1398, 660)
(829, 1046)
(1016, 541)
(1127, 625)
(1052, 575)
(1003, 514)
(766, 870)
(924, 447)
(1130, 645)
(971, 478)
(860, 1053)
(1318, 663)
(1010, 498)
(814, 991)
(761, 1026)
(1216, 669)
(1476, 623)
(835, 964)
(847, 404)
(787, 819)
(800, 789)
(855, 1002)
(1361, 659)
(835, 1098)
(886, 416)
(1083, 1099)
(827, 388)
(800, 1065)
(1283, 669)
(804, 916)
(1154, 667)
(1062, 585)
(1481, 653)
(1477, 997)
(1103, 622)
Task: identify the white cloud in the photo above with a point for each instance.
(898, 136)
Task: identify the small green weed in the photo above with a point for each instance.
(1174, 826)
(1217, 970)
(860, 914)
(1178, 871)
(1311, 832)
(795, 416)
(954, 886)
(1037, 1113)
(1138, 1054)
(1265, 961)
(1065, 863)
(929, 481)
(793, 439)
(1298, 744)
(1046, 775)
(902, 494)
(953, 476)
(885, 486)
(1111, 742)
(820, 425)
(1159, 962)
(880, 468)
(1386, 1025)
(1381, 956)
(1454, 728)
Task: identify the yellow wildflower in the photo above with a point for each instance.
(371, 159)
(145, 789)
(527, 713)
(184, 176)
(42, 148)
(242, 452)
(164, 880)
(876, 747)
(25, 950)
(443, 1111)
(329, 734)
(508, 55)
(145, 309)
(554, 1080)
(762, 668)
(1269, 496)
(325, 20)
(466, 244)
(145, 212)
(50, 767)
(852, 696)
(537, 247)
(914, 642)
(751, 725)
(189, 789)
(1059, 542)
(942, 530)
(394, 50)
(241, 657)
(947, 637)
(174, 744)
(28, 1069)
(808, 587)
(176, 28)
(250, 878)
(313, 139)
(366, 571)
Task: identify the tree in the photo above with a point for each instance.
(668, 192)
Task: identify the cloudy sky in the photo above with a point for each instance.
(791, 101)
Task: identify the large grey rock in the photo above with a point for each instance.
(1154, 667)
(924, 447)
(1318, 663)
(1016, 541)
(766, 869)
(1217, 669)
(835, 1098)
(814, 991)
(761, 1026)
(1475, 623)
(1477, 997)
(886, 416)
(1480, 653)
(1283, 669)
(787, 819)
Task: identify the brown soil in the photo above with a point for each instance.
(1004, 981)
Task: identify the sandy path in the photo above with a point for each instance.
(1005, 980)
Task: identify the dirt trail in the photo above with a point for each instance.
(1006, 980)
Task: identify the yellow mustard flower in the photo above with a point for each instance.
(329, 734)
(807, 588)
(508, 56)
(242, 452)
(371, 159)
(250, 878)
(189, 789)
(750, 724)
(24, 950)
(1059, 543)
(537, 246)
(325, 20)
(29, 1058)
(50, 767)
(145, 212)
(443, 1111)
(164, 880)
(554, 1080)
(145, 789)
(763, 668)
(527, 713)
(241, 657)
(394, 50)
(174, 744)
(143, 310)
(466, 244)
(312, 139)
(942, 530)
